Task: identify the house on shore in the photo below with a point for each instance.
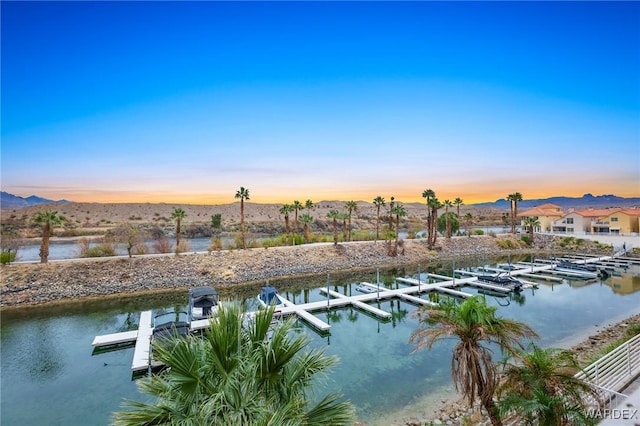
(612, 221)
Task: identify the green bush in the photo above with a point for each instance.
(7, 257)
(102, 250)
(525, 239)
(478, 232)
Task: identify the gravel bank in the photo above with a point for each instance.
(36, 283)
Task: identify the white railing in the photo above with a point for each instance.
(613, 372)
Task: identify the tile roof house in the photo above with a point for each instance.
(546, 214)
(599, 221)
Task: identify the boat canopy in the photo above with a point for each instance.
(269, 295)
(204, 296)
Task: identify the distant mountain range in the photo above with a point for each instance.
(587, 200)
(584, 202)
(13, 201)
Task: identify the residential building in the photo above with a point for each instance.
(546, 214)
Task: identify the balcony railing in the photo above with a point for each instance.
(613, 372)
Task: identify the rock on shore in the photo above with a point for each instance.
(36, 283)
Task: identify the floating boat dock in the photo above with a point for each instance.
(374, 292)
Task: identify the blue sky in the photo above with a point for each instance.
(187, 102)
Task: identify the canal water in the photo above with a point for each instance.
(51, 375)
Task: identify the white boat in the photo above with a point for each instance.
(269, 297)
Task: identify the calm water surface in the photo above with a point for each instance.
(50, 376)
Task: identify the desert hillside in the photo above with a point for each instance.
(97, 215)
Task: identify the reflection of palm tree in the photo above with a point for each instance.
(334, 316)
(353, 315)
(519, 298)
(235, 375)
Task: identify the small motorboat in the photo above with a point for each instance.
(170, 324)
(269, 297)
(587, 271)
(203, 302)
(502, 280)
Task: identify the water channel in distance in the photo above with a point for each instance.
(50, 375)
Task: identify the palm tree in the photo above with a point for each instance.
(513, 199)
(285, 210)
(434, 204)
(391, 204)
(178, 214)
(541, 387)
(428, 195)
(351, 207)
(334, 215)
(378, 202)
(447, 204)
(308, 205)
(47, 219)
(531, 223)
(474, 324)
(242, 194)
(236, 375)
(458, 202)
(399, 211)
(468, 220)
(344, 216)
(297, 206)
(306, 220)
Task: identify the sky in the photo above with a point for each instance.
(186, 102)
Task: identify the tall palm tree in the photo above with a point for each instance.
(541, 387)
(297, 206)
(47, 219)
(344, 216)
(391, 204)
(351, 207)
(308, 205)
(428, 195)
(447, 204)
(514, 199)
(285, 210)
(458, 202)
(531, 223)
(242, 194)
(178, 214)
(334, 215)
(236, 375)
(378, 202)
(468, 220)
(399, 211)
(434, 205)
(475, 325)
(306, 220)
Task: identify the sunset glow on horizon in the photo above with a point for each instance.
(185, 102)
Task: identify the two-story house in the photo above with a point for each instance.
(624, 221)
(546, 214)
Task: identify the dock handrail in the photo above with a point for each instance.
(614, 371)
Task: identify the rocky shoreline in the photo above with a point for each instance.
(58, 281)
